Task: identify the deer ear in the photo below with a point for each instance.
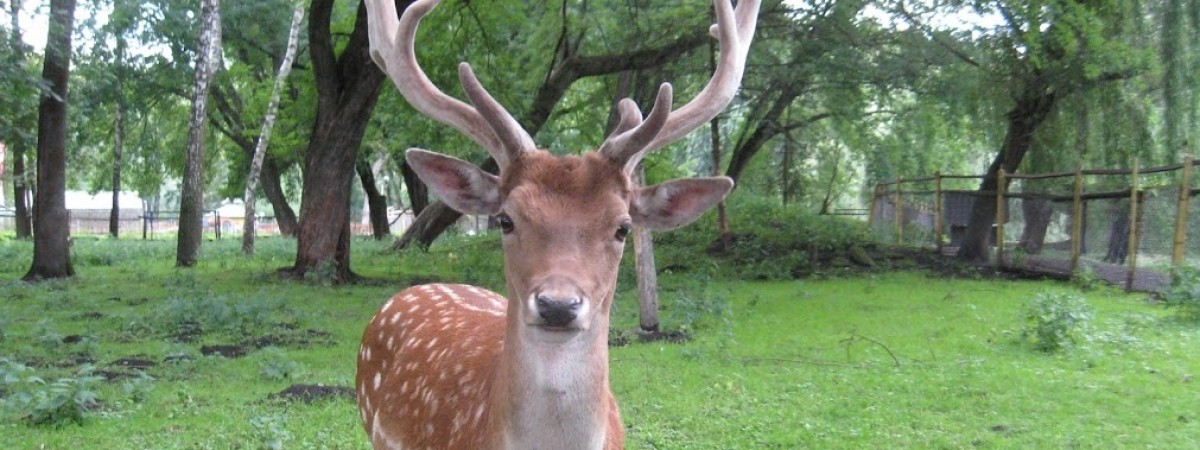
(676, 203)
(464, 187)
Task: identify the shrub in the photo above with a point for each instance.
(29, 397)
(769, 242)
(1184, 294)
(1054, 321)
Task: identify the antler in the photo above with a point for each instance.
(633, 137)
(487, 122)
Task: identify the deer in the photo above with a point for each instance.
(451, 366)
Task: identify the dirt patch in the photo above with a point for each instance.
(305, 339)
(188, 332)
(134, 362)
(622, 338)
(673, 337)
(227, 351)
(309, 393)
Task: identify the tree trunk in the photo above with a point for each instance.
(21, 192)
(1037, 213)
(376, 202)
(191, 202)
(51, 221)
(1023, 120)
(1118, 234)
(18, 146)
(269, 179)
(647, 276)
(418, 192)
(766, 128)
(264, 136)
(114, 217)
(348, 86)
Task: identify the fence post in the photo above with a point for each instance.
(1077, 220)
(899, 212)
(937, 211)
(1001, 182)
(1181, 213)
(1134, 232)
(874, 204)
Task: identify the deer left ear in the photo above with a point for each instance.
(676, 203)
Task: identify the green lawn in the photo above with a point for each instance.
(897, 360)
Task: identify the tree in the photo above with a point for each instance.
(21, 89)
(348, 85)
(264, 136)
(1046, 52)
(51, 238)
(191, 205)
(242, 93)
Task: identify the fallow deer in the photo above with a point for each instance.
(446, 366)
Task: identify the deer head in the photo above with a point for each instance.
(564, 221)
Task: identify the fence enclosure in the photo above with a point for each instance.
(1132, 222)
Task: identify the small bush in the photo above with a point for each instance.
(1184, 294)
(28, 397)
(276, 365)
(1054, 321)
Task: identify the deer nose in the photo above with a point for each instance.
(558, 312)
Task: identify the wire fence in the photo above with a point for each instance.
(1129, 226)
(149, 225)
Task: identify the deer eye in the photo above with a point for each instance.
(623, 231)
(506, 223)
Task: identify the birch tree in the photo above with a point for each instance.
(264, 136)
(191, 202)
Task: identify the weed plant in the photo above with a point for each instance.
(1053, 321)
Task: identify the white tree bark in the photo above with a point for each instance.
(264, 136)
(191, 202)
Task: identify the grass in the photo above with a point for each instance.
(891, 360)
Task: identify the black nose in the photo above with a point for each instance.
(558, 312)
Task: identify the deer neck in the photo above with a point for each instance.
(553, 395)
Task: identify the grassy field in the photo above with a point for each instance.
(888, 360)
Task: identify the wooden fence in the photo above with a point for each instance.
(1146, 205)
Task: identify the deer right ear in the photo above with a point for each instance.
(462, 185)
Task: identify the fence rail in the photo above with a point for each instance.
(1057, 222)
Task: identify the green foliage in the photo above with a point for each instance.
(36, 402)
(276, 364)
(769, 242)
(1053, 321)
(1184, 294)
(271, 432)
(203, 313)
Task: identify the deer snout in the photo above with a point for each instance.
(557, 302)
(558, 312)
